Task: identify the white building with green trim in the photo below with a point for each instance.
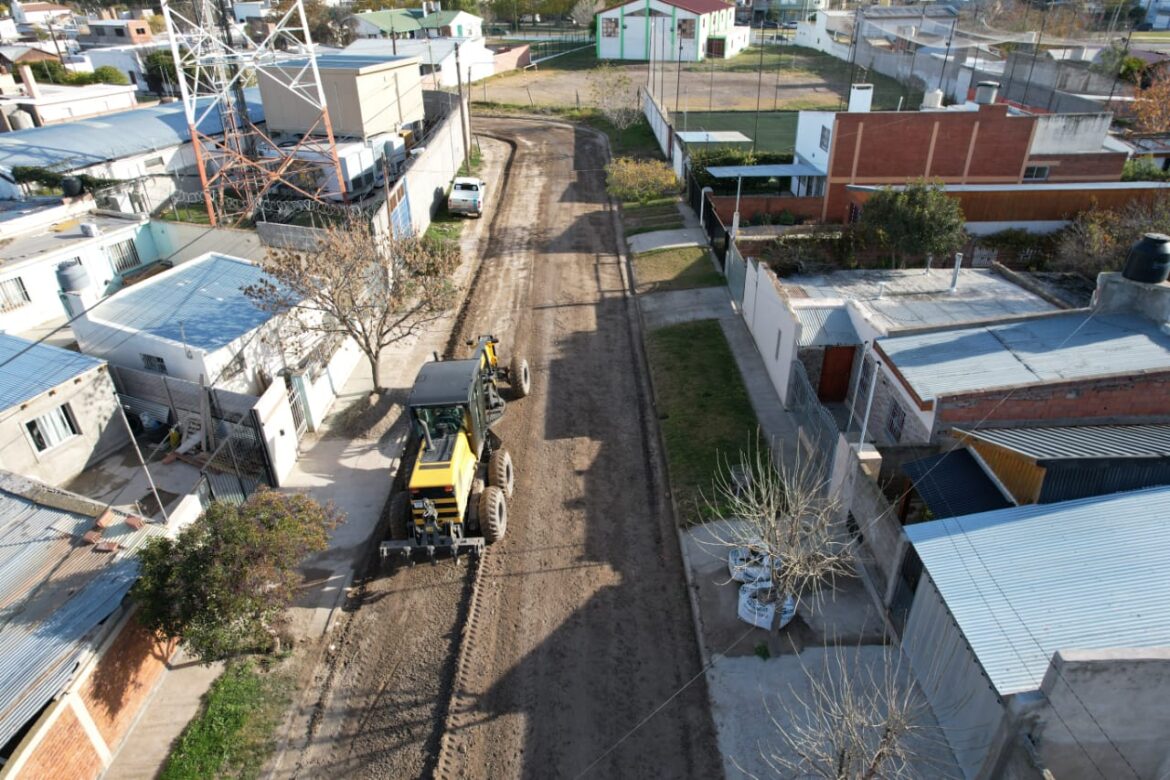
(687, 30)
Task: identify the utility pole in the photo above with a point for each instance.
(464, 119)
(678, 81)
(950, 40)
(759, 90)
(1035, 54)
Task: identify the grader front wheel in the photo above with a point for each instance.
(493, 514)
(520, 377)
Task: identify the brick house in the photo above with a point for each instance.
(110, 32)
(76, 665)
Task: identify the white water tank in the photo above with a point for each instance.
(933, 99)
(72, 276)
(21, 120)
(90, 229)
(986, 92)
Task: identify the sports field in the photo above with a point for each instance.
(777, 129)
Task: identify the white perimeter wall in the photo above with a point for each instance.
(430, 174)
(278, 429)
(772, 325)
(320, 394)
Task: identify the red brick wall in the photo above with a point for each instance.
(1103, 166)
(1136, 397)
(122, 679)
(752, 205)
(65, 752)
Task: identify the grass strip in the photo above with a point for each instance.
(681, 268)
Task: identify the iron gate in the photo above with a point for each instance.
(736, 270)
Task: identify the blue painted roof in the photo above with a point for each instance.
(1027, 581)
(86, 142)
(28, 368)
(200, 303)
(1036, 350)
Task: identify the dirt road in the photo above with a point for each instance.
(582, 629)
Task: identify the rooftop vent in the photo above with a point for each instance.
(986, 92)
(1149, 259)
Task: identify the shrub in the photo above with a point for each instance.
(639, 180)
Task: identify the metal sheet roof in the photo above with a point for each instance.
(764, 171)
(85, 142)
(396, 20)
(1024, 582)
(713, 137)
(1035, 350)
(348, 61)
(954, 484)
(825, 327)
(200, 303)
(1088, 441)
(28, 368)
(56, 592)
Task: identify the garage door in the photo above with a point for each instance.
(966, 707)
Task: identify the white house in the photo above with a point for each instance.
(451, 24)
(51, 104)
(250, 9)
(436, 57)
(39, 236)
(195, 322)
(392, 23)
(130, 59)
(60, 412)
(40, 14)
(8, 33)
(690, 30)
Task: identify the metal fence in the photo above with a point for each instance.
(235, 459)
(735, 270)
(818, 429)
(716, 232)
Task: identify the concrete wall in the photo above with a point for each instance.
(180, 242)
(510, 58)
(77, 736)
(772, 324)
(322, 388)
(94, 408)
(429, 174)
(862, 497)
(808, 137)
(1116, 294)
(659, 121)
(1070, 133)
(1090, 693)
(278, 428)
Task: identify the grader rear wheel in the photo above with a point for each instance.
(493, 514)
(501, 473)
(520, 377)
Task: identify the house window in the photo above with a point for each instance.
(52, 428)
(120, 32)
(826, 133)
(779, 340)
(1036, 173)
(234, 368)
(864, 380)
(124, 255)
(686, 28)
(896, 421)
(13, 294)
(609, 28)
(154, 363)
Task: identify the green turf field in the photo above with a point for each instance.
(777, 129)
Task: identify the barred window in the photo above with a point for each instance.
(863, 381)
(896, 421)
(686, 28)
(52, 428)
(233, 368)
(124, 255)
(826, 135)
(13, 294)
(154, 363)
(609, 28)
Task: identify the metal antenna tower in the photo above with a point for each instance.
(215, 60)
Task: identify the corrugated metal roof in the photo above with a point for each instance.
(764, 171)
(1037, 350)
(1088, 441)
(28, 368)
(395, 20)
(55, 591)
(953, 483)
(713, 137)
(1026, 581)
(825, 327)
(85, 142)
(200, 303)
(347, 61)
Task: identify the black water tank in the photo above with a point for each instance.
(1149, 259)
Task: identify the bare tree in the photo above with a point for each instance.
(783, 515)
(612, 92)
(584, 11)
(857, 716)
(375, 289)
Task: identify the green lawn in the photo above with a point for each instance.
(703, 408)
(776, 133)
(646, 219)
(675, 269)
(232, 735)
(195, 214)
(445, 226)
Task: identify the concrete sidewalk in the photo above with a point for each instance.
(666, 239)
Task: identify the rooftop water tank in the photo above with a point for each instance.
(932, 99)
(1149, 259)
(21, 120)
(91, 229)
(72, 276)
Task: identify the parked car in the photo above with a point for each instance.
(790, 25)
(769, 24)
(468, 196)
(758, 602)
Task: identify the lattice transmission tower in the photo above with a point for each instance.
(217, 65)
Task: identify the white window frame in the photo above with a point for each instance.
(45, 429)
(7, 304)
(119, 252)
(154, 364)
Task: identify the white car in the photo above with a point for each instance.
(468, 196)
(747, 565)
(758, 602)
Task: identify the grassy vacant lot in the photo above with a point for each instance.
(703, 408)
(675, 269)
(232, 735)
(648, 218)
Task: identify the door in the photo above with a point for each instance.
(835, 371)
(715, 47)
